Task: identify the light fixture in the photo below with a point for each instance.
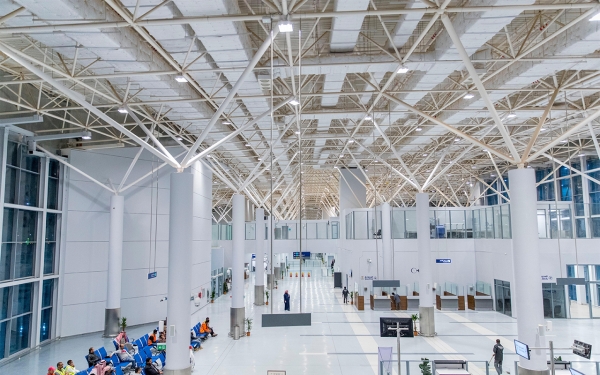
(424, 154)
(403, 69)
(368, 118)
(484, 150)
(456, 139)
(296, 132)
(122, 110)
(342, 155)
(351, 141)
(226, 123)
(259, 159)
(492, 175)
(469, 96)
(181, 79)
(178, 138)
(418, 129)
(581, 154)
(86, 135)
(563, 141)
(247, 144)
(542, 129)
(511, 114)
(294, 102)
(596, 17)
(285, 26)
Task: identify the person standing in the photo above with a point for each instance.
(345, 294)
(286, 301)
(397, 301)
(498, 356)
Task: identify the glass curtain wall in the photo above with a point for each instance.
(31, 218)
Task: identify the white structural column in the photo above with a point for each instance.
(526, 265)
(386, 241)
(181, 218)
(426, 293)
(112, 313)
(237, 313)
(259, 271)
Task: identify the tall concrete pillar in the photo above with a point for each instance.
(426, 292)
(526, 265)
(237, 312)
(386, 241)
(259, 273)
(181, 216)
(112, 313)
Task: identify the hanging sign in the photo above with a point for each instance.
(152, 275)
(443, 261)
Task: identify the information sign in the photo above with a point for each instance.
(152, 275)
(443, 261)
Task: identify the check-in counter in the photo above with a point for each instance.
(412, 303)
(380, 303)
(480, 303)
(381, 292)
(446, 302)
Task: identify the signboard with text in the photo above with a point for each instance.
(443, 261)
(152, 275)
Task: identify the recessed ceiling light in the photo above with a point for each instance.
(294, 102)
(403, 69)
(469, 96)
(285, 26)
(418, 129)
(122, 110)
(181, 79)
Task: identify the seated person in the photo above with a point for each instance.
(138, 370)
(162, 338)
(205, 328)
(122, 337)
(60, 370)
(123, 355)
(150, 369)
(92, 358)
(50, 370)
(152, 338)
(196, 342)
(70, 369)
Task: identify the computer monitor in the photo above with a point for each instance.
(387, 327)
(522, 349)
(575, 372)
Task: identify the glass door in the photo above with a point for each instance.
(503, 297)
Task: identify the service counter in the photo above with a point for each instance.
(446, 302)
(412, 303)
(480, 303)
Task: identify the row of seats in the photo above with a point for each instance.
(144, 352)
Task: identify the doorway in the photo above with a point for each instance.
(503, 299)
(554, 301)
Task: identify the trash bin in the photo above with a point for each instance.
(236, 332)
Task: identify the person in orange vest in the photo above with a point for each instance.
(205, 328)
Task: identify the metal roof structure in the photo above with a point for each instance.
(422, 95)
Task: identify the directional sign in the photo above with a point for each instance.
(152, 275)
(444, 261)
(582, 349)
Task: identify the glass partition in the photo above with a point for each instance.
(335, 230)
(250, 231)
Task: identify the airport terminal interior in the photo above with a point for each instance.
(286, 187)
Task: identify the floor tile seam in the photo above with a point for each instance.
(492, 336)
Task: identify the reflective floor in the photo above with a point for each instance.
(341, 339)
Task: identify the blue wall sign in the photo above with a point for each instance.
(152, 275)
(443, 261)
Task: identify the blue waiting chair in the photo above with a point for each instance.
(116, 344)
(102, 352)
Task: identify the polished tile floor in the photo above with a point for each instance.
(341, 339)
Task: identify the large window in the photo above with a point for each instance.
(29, 249)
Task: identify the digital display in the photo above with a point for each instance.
(582, 349)
(387, 327)
(522, 349)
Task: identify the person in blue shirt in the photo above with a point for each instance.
(286, 301)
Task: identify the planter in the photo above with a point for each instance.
(267, 303)
(247, 333)
(416, 333)
(351, 302)
(212, 301)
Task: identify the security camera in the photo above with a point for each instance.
(31, 144)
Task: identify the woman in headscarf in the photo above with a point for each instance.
(286, 301)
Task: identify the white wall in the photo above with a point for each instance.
(145, 246)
